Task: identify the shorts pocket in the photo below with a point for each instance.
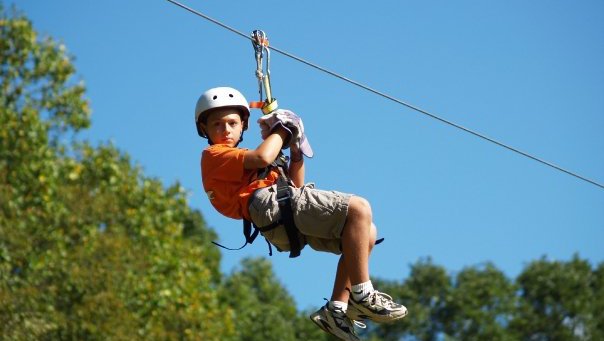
(278, 237)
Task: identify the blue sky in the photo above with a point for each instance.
(527, 73)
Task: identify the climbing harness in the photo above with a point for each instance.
(283, 198)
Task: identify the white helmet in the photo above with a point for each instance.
(219, 98)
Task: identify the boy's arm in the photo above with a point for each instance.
(266, 152)
(296, 166)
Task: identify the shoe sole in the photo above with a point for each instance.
(386, 319)
(320, 322)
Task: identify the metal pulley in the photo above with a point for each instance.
(261, 51)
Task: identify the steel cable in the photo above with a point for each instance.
(391, 98)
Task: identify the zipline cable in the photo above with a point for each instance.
(393, 99)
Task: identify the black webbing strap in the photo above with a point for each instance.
(280, 162)
(285, 204)
(251, 236)
(287, 214)
(247, 233)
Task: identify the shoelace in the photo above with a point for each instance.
(359, 324)
(382, 299)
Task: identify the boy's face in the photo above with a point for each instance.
(224, 126)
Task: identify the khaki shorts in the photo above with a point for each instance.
(319, 216)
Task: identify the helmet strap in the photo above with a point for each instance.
(240, 139)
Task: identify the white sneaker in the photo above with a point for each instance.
(377, 307)
(335, 322)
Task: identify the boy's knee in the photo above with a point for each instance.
(372, 236)
(360, 207)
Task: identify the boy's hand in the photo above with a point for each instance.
(292, 123)
(269, 124)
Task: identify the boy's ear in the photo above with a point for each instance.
(202, 128)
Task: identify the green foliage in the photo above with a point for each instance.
(35, 78)
(557, 300)
(91, 248)
(424, 294)
(480, 305)
(550, 300)
(597, 306)
(262, 308)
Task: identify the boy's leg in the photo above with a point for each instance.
(358, 238)
(330, 318)
(342, 281)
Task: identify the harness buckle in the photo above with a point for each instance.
(283, 193)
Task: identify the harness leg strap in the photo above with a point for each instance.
(290, 228)
(287, 214)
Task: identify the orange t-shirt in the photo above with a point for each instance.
(227, 183)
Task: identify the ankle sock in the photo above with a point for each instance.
(338, 305)
(361, 290)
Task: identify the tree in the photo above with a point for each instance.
(598, 303)
(424, 293)
(262, 309)
(33, 78)
(91, 248)
(556, 301)
(549, 300)
(480, 305)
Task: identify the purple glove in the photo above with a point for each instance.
(292, 123)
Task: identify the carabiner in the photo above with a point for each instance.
(260, 44)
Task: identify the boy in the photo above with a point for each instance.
(325, 220)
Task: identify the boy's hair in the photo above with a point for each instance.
(204, 118)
